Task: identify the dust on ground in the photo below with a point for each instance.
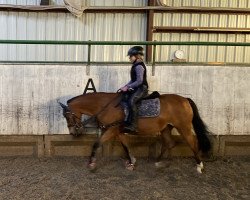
(68, 178)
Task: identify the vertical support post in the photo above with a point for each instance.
(45, 2)
(153, 63)
(89, 58)
(149, 36)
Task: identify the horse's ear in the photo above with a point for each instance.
(63, 106)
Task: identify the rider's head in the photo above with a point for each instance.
(135, 53)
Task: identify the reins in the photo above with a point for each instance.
(102, 126)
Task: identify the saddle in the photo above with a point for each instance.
(153, 95)
(149, 106)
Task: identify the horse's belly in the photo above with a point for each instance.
(150, 126)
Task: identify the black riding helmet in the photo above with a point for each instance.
(136, 50)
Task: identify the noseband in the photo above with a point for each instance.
(75, 124)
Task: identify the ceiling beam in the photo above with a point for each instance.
(176, 29)
(126, 9)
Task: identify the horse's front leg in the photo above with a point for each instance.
(106, 136)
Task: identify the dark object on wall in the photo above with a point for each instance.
(44, 2)
(87, 88)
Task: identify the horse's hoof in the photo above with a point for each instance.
(133, 160)
(92, 166)
(199, 171)
(130, 167)
(200, 168)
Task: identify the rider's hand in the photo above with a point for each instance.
(124, 89)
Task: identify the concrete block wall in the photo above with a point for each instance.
(29, 94)
(30, 116)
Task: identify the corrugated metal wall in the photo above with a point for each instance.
(204, 53)
(120, 27)
(111, 27)
(64, 26)
(21, 2)
(29, 94)
(209, 3)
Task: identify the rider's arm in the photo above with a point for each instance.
(129, 83)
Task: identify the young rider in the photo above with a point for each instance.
(136, 88)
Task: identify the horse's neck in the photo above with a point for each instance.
(91, 104)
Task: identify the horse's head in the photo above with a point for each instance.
(75, 126)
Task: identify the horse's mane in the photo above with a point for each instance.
(87, 94)
(72, 99)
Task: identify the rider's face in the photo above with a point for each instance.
(132, 58)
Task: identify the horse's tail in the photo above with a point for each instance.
(200, 129)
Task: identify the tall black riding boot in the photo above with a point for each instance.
(127, 119)
(132, 127)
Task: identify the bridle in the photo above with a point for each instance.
(78, 124)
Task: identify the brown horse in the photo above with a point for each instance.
(176, 112)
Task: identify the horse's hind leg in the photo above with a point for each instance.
(192, 141)
(167, 144)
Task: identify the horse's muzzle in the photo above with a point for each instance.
(76, 131)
